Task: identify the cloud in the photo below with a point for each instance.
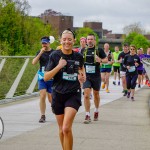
(114, 14)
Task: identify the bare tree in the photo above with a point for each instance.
(135, 27)
(50, 12)
(22, 6)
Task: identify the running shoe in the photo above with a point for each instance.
(125, 93)
(114, 83)
(87, 119)
(103, 85)
(128, 95)
(42, 119)
(107, 91)
(132, 98)
(95, 116)
(146, 82)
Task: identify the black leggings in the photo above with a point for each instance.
(131, 81)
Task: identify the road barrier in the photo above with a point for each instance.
(146, 63)
(11, 92)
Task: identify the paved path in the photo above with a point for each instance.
(23, 116)
(123, 125)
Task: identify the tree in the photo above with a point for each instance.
(83, 32)
(130, 37)
(138, 40)
(135, 27)
(19, 33)
(12, 23)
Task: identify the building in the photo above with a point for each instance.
(60, 22)
(96, 26)
(57, 20)
(115, 36)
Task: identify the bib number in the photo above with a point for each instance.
(90, 69)
(132, 69)
(40, 75)
(70, 77)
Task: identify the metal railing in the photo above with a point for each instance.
(30, 89)
(12, 90)
(146, 63)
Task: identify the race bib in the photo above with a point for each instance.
(90, 69)
(40, 75)
(70, 77)
(132, 69)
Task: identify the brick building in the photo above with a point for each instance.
(115, 36)
(57, 20)
(96, 26)
(59, 23)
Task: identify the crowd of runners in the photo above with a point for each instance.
(66, 73)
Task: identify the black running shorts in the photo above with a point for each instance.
(91, 82)
(61, 101)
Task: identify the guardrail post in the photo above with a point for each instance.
(2, 64)
(13, 88)
(32, 85)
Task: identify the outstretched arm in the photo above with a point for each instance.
(82, 75)
(36, 59)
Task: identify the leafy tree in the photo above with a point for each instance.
(138, 40)
(19, 33)
(83, 32)
(141, 41)
(11, 24)
(129, 39)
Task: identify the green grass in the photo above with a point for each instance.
(9, 73)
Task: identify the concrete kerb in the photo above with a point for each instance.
(19, 98)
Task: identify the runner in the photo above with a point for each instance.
(44, 87)
(122, 68)
(131, 62)
(147, 55)
(116, 65)
(82, 45)
(140, 68)
(92, 59)
(106, 68)
(66, 67)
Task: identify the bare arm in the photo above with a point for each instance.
(82, 75)
(36, 59)
(99, 60)
(50, 74)
(104, 60)
(112, 60)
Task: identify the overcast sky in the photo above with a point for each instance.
(114, 14)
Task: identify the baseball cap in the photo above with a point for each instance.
(45, 40)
